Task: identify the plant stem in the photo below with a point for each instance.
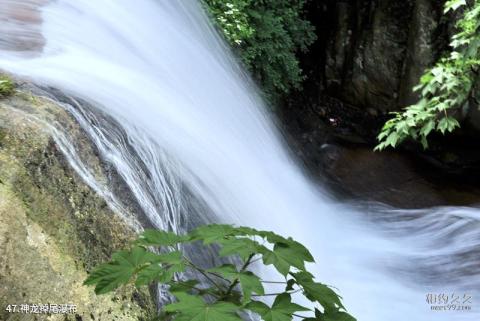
(248, 262)
(273, 294)
(273, 282)
(218, 276)
(201, 290)
(204, 273)
(244, 267)
(256, 260)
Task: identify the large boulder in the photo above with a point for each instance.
(53, 227)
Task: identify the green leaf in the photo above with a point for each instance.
(160, 238)
(173, 257)
(281, 310)
(135, 257)
(380, 147)
(153, 272)
(454, 5)
(427, 128)
(162, 269)
(424, 142)
(443, 125)
(213, 233)
(392, 139)
(193, 308)
(318, 292)
(242, 247)
(290, 284)
(452, 124)
(318, 316)
(301, 251)
(426, 78)
(272, 237)
(337, 315)
(284, 256)
(282, 265)
(124, 265)
(157, 273)
(183, 286)
(249, 282)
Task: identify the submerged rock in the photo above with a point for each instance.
(53, 227)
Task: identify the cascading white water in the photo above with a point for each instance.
(191, 121)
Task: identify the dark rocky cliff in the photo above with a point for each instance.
(368, 57)
(371, 53)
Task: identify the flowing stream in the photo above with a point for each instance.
(165, 102)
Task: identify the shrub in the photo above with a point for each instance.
(223, 292)
(268, 34)
(444, 89)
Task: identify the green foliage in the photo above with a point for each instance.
(224, 292)
(193, 308)
(268, 34)
(282, 308)
(232, 17)
(444, 89)
(7, 87)
(454, 5)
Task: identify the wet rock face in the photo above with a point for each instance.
(397, 179)
(53, 227)
(376, 51)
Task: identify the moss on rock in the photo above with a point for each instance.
(54, 227)
(7, 87)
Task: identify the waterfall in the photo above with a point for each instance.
(167, 104)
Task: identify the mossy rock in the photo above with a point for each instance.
(53, 227)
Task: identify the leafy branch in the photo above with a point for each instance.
(443, 89)
(267, 35)
(227, 291)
